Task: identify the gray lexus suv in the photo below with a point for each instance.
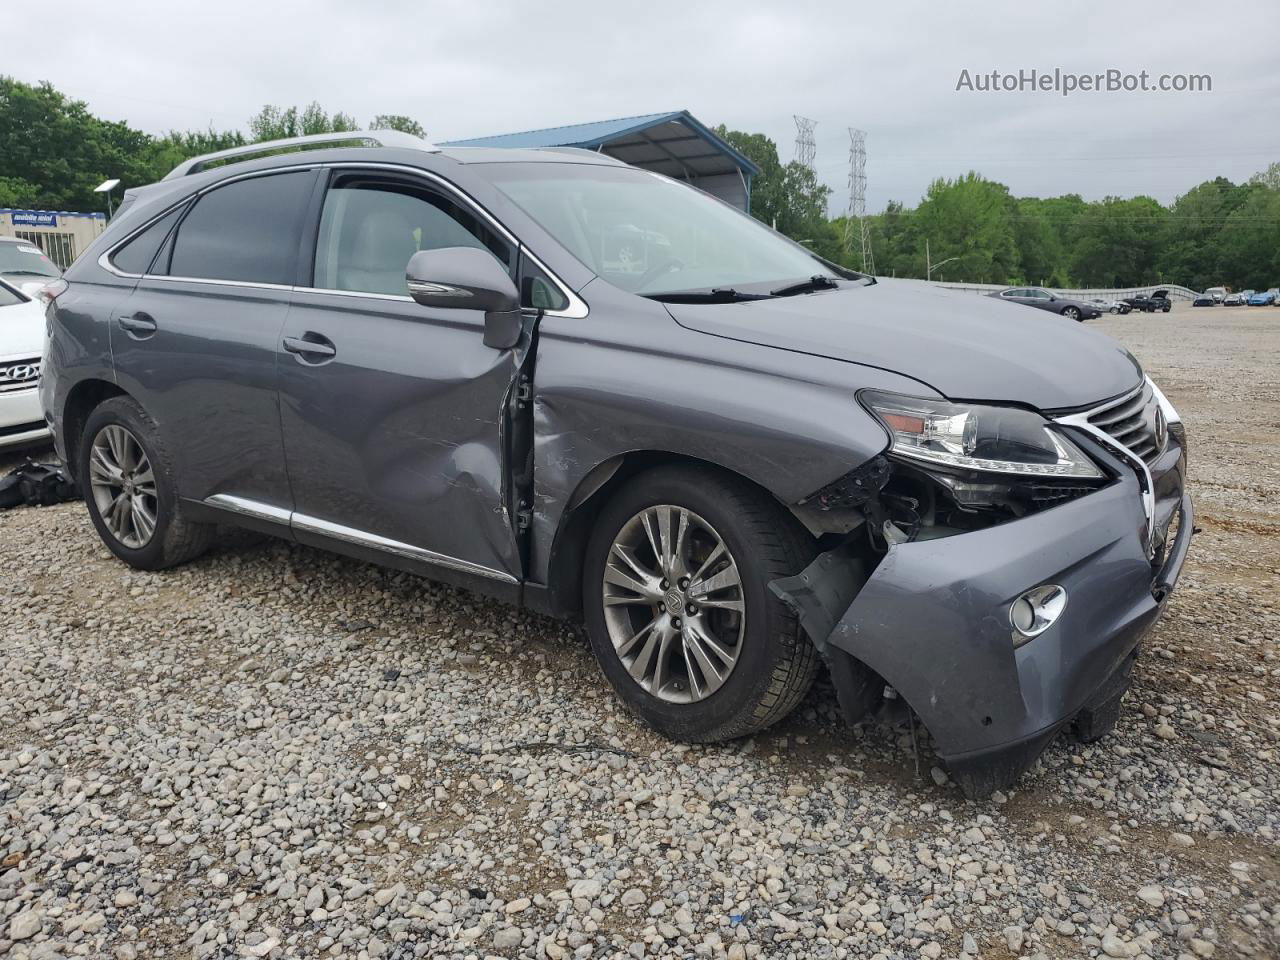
(582, 387)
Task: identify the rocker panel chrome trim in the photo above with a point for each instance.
(300, 521)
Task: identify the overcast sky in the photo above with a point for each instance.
(484, 67)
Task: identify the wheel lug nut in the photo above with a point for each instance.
(675, 621)
(665, 584)
(684, 582)
(691, 609)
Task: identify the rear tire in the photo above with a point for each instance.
(156, 534)
(773, 663)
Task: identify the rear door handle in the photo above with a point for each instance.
(311, 346)
(139, 323)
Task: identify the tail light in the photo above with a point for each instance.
(51, 291)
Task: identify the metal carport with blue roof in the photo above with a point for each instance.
(675, 144)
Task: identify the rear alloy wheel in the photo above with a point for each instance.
(1071, 313)
(678, 609)
(129, 489)
(123, 486)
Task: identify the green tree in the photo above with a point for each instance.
(396, 121)
(279, 123)
(60, 151)
(969, 218)
(15, 192)
(1118, 243)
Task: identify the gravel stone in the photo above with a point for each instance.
(276, 752)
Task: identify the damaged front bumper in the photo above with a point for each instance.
(933, 621)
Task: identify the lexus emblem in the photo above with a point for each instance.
(19, 372)
(1162, 430)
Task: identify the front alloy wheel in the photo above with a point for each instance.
(123, 485)
(1071, 313)
(676, 599)
(673, 604)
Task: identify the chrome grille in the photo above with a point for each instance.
(19, 374)
(1135, 422)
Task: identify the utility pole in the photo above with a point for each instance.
(806, 147)
(857, 209)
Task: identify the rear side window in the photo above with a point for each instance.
(136, 255)
(371, 228)
(247, 231)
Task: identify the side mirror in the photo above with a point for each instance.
(468, 278)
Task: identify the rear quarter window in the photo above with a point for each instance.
(136, 255)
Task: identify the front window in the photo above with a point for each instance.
(650, 235)
(26, 259)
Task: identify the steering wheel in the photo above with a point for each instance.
(665, 265)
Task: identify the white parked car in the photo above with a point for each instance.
(21, 343)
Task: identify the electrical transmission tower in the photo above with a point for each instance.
(806, 148)
(856, 215)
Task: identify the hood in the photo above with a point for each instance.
(966, 347)
(22, 330)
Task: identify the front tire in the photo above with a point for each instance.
(678, 608)
(1071, 313)
(128, 483)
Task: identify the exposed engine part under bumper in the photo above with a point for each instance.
(933, 621)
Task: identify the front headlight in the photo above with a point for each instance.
(971, 437)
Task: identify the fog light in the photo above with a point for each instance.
(1035, 612)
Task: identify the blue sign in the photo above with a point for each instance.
(34, 218)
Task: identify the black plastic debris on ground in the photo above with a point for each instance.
(36, 484)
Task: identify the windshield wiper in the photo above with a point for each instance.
(814, 283)
(716, 295)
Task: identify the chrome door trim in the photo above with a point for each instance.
(300, 521)
(249, 508)
(372, 540)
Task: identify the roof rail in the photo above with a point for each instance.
(377, 138)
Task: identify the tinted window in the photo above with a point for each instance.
(136, 255)
(247, 231)
(369, 229)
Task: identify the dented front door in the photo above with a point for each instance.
(391, 416)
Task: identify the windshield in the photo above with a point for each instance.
(650, 235)
(26, 258)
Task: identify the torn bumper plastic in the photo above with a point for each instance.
(933, 620)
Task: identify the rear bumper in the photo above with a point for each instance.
(933, 620)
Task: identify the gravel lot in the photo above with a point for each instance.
(277, 752)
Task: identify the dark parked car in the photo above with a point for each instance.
(1044, 300)
(1204, 300)
(591, 390)
(1157, 302)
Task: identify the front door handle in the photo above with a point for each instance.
(139, 324)
(311, 346)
